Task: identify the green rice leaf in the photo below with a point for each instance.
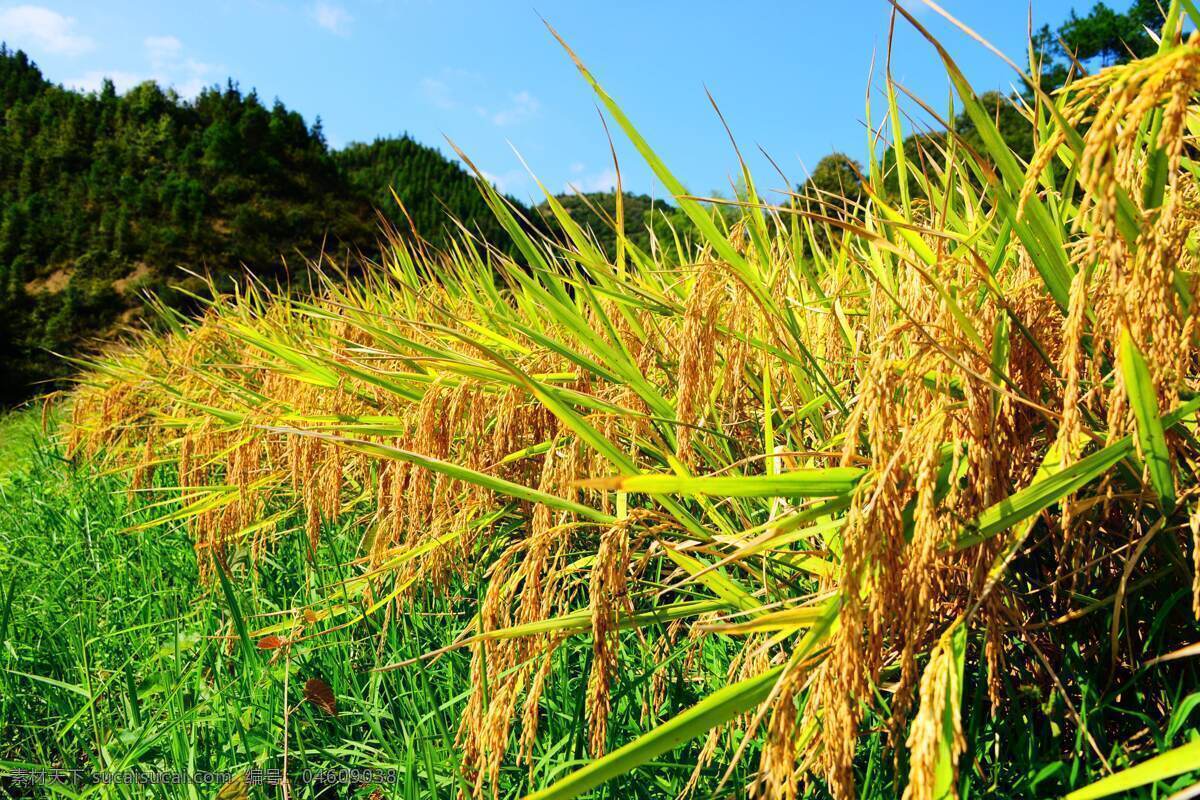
(1047, 490)
(581, 621)
(716, 581)
(1150, 436)
(483, 480)
(955, 642)
(719, 707)
(1160, 768)
(831, 482)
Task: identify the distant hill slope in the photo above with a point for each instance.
(103, 195)
(431, 187)
(595, 211)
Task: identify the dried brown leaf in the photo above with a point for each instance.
(317, 692)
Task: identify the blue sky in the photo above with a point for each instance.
(789, 76)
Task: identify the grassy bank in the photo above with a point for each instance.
(115, 659)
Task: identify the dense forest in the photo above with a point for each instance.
(104, 195)
(430, 187)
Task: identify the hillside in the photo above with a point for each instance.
(885, 489)
(431, 187)
(597, 212)
(105, 195)
(867, 516)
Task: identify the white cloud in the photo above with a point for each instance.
(494, 180)
(524, 105)
(191, 84)
(603, 181)
(437, 92)
(458, 88)
(162, 49)
(167, 65)
(447, 88)
(43, 29)
(332, 18)
(508, 182)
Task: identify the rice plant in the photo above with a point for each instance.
(903, 458)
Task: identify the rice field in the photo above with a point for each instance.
(891, 496)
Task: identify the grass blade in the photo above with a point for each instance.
(1152, 441)
(1167, 765)
(831, 482)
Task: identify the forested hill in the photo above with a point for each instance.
(106, 194)
(431, 187)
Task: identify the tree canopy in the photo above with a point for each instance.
(1110, 36)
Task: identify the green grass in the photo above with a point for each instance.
(113, 658)
(20, 432)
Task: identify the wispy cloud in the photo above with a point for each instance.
(171, 66)
(332, 18)
(438, 93)
(523, 105)
(40, 28)
(494, 180)
(449, 86)
(460, 88)
(603, 181)
(508, 182)
(166, 63)
(93, 80)
(162, 49)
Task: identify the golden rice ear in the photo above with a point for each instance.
(935, 740)
(922, 343)
(530, 715)
(608, 598)
(697, 357)
(612, 484)
(779, 771)
(707, 752)
(1194, 526)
